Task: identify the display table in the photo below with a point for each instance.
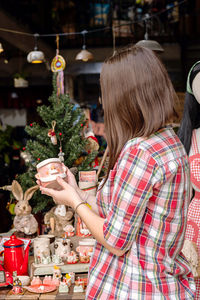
(80, 270)
(6, 294)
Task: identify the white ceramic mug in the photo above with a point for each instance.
(41, 248)
(48, 170)
(51, 237)
(85, 249)
(62, 247)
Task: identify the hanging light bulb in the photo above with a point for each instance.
(84, 54)
(151, 44)
(36, 56)
(1, 48)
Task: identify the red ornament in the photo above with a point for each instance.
(60, 133)
(52, 135)
(31, 124)
(82, 125)
(23, 148)
(38, 158)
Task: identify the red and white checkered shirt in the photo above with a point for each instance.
(144, 203)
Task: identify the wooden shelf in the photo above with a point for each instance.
(43, 270)
(66, 268)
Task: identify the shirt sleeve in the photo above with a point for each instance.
(131, 187)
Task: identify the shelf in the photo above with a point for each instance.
(66, 268)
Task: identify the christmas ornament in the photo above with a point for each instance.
(61, 154)
(51, 133)
(58, 65)
(93, 144)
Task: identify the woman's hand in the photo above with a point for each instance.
(70, 177)
(67, 196)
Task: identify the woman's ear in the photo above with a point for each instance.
(196, 87)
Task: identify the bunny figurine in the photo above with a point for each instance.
(58, 218)
(24, 221)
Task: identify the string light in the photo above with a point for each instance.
(35, 57)
(84, 55)
(81, 32)
(151, 44)
(1, 48)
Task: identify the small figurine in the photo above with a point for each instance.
(56, 275)
(56, 259)
(24, 221)
(78, 289)
(72, 258)
(58, 218)
(69, 230)
(68, 280)
(81, 229)
(37, 260)
(72, 275)
(36, 280)
(46, 260)
(42, 288)
(17, 285)
(47, 280)
(92, 142)
(84, 257)
(79, 286)
(63, 287)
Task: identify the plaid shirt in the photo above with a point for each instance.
(144, 203)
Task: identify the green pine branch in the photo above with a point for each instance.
(69, 134)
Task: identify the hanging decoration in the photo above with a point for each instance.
(58, 65)
(36, 56)
(84, 54)
(151, 44)
(1, 48)
(61, 154)
(52, 134)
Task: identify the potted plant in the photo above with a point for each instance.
(20, 81)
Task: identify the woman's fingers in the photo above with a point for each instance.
(64, 168)
(49, 192)
(62, 182)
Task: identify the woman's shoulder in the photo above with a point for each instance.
(161, 138)
(163, 145)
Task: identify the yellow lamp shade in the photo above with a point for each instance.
(1, 48)
(35, 57)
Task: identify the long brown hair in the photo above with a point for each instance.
(137, 96)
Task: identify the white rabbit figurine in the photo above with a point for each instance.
(24, 221)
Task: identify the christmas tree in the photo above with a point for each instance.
(60, 134)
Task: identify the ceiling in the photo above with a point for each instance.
(43, 17)
(61, 16)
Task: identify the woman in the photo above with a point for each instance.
(139, 214)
